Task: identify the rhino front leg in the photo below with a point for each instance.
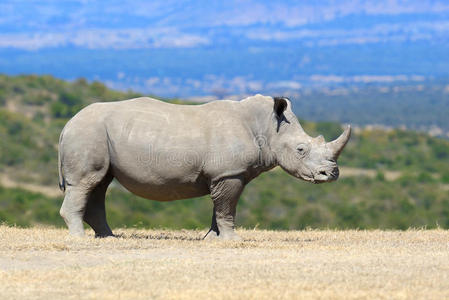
(225, 194)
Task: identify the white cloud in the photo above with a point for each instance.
(373, 34)
(152, 81)
(105, 38)
(379, 78)
(120, 75)
(286, 84)
(364, 78)
(327, 78)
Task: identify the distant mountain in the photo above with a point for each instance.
(187, 48)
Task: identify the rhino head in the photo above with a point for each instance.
(305, 157)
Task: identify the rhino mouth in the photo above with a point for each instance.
(321, 176)
(313, 179)
(326, 176)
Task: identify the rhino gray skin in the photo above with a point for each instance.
(166, 152)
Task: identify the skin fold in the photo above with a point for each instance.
(164, 152)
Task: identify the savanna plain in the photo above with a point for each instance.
(44, 262)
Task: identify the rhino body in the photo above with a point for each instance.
(165, 152)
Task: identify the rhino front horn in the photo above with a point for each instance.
(337, 145)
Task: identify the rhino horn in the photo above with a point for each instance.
(320, 139)
(337, 145)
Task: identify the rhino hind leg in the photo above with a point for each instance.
(85, 169)
(225, 194)
(86, 202)
(95, 211)
(72, 209)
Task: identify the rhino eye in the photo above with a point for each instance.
(301, 149)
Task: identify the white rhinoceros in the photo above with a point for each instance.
(165, 152)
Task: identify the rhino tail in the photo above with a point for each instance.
(61, 174)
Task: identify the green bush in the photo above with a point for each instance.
(70, 99)
(36, 99)
(445, 177)
(2, 97)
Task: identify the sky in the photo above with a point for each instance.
(177, 48)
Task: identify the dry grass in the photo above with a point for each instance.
(141, 264)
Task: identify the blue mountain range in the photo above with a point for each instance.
(194, 48)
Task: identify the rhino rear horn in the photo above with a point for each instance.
(337, 145)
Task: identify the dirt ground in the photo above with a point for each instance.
(44, 263)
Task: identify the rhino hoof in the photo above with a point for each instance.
(230, 237)
(211, 235)
(222, 237)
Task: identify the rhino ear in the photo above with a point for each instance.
(280, 105)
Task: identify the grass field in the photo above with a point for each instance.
(140, 264)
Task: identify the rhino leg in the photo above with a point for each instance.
(225, 195)
(213, 231)
(84, 167)
(95, 212)
(72, 209)
(86, 202)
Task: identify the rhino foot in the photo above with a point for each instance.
(227, 236)
(230, 236)
(105, 235)
(211, 235)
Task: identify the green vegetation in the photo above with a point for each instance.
(33, 110)
(275, 200)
